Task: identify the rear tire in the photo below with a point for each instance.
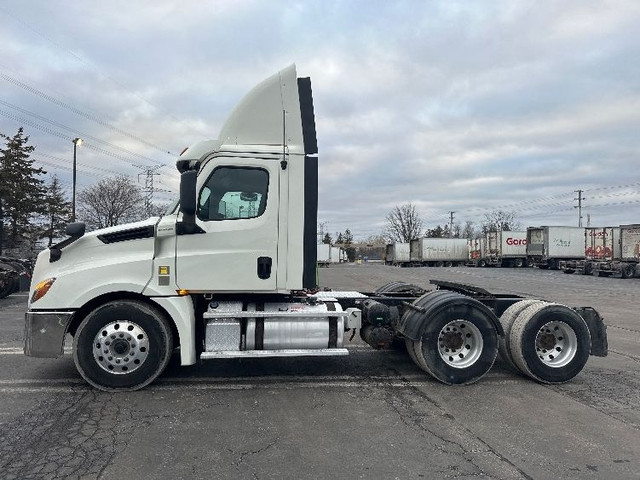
(628, 271)
(122, 345)
(550, 343)
(518, 262)
(506, 320)
(482, 263)
(459, 344)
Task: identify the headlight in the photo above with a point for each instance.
(41, 289)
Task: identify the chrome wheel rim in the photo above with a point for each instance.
(556, 344)
(121, 347)
(460, 344)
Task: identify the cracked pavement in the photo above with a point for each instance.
(369, 415)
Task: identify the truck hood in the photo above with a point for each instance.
(111, 258)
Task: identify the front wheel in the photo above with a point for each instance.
(122, 345)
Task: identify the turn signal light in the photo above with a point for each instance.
(182, 292)
(41, 289)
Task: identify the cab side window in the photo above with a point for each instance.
(232, 193)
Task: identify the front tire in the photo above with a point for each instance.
(122, 345)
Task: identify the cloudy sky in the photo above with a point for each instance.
(462, 106)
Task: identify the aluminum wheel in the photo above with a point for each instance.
(556, 344)
(460, 343)
(121, 347)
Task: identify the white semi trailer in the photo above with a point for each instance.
(220, 284)
(506, 248)
(601, 245)
(397, 254)
(438, 252)
(547, 246)
(627, 264)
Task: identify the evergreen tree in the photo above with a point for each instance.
(327, 238)
(21, 191)
(339, 239)
(57, 211)
(347, 237)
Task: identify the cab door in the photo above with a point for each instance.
(238, 214)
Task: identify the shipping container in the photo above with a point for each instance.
(438, 251)
(547, 246)
(506, 248)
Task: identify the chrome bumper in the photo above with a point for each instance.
(44, 333)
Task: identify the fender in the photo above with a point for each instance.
(414, 320)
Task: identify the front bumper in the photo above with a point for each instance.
(44, 333)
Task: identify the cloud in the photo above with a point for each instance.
(450, 105)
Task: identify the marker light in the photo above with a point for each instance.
(41, 289)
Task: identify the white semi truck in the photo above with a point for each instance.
(212, 280)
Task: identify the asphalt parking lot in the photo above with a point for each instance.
(372, 414)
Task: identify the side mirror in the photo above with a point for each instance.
(188, 181)
(75, 230)
(188, 203)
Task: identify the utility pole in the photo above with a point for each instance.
(579, 206)
(321, 226)
(149, 173)
(451, 224)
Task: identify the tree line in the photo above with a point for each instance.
(35, 209)
(403, 224)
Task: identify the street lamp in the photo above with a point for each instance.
(76, 143)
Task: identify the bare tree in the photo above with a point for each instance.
(469, 230)
(110, 202)
(403, 223)
(500, 220)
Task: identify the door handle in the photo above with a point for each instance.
(264, 267)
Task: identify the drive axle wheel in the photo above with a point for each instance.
(549, 342)
(506, 320)
(122, 345)
(459, 341)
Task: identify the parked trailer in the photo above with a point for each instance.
(548, 245)
(601, 244)
(506, 248)
(327, 254)
(219, 285)
(397, 254)
(627, 265)
(438, 252)
(477, 252)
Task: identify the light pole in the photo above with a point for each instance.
(76, 143)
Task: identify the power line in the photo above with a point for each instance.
(83, 135)
(95, 69)
(81, 113)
